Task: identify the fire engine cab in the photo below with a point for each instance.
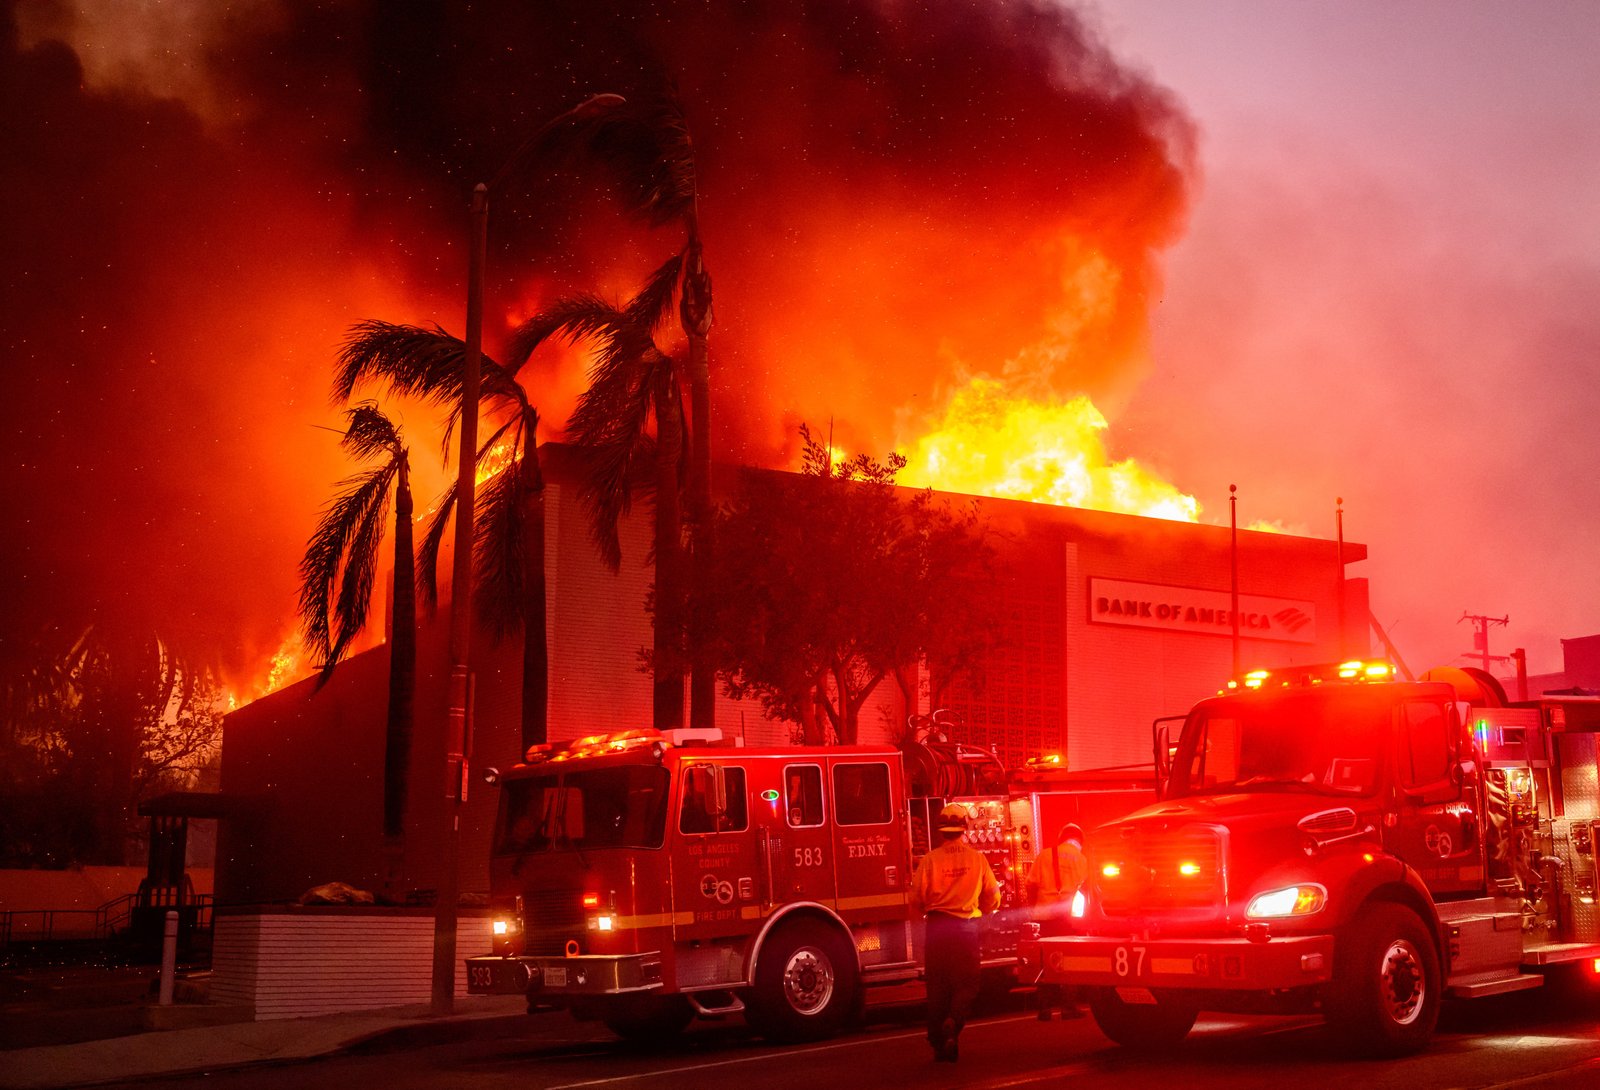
(1335, 840)
(645, 877)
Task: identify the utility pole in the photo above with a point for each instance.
(1480, 637)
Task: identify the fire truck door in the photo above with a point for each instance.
(715, 869)
(800, 842)
(873, 868)
(1438, 822)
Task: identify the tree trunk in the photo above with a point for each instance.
(402, 661)
(695, 314)
(535, 627)
(667, 693)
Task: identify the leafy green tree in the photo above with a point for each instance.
(630, 418)
(647, 142)
(509, 543)
(833, 579)
(337, 576)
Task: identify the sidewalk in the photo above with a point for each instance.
(205, 1045)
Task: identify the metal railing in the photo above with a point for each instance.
(96, 924)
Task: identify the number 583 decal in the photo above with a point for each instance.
(808, 857)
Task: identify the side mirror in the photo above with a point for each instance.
(706, 781)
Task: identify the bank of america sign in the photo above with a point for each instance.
(1204, 612)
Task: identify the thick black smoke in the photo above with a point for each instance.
(878, 181)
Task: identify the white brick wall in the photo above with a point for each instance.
(293, 964)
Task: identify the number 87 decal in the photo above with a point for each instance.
(1123, 962)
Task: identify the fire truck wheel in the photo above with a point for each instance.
(1384, 997)
(1142, 1026)
(647, 1018)
(805, 984)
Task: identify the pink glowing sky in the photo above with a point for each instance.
(1388, 292)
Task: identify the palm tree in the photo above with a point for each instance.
(336, 578)
(509, 541)
(647, 142)
(633, 385)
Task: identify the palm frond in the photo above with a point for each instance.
(647, 146)
(652, 306)
(425, 363)
(499, 550)
(369, 432)
(340, 564)
(615, 473)
(433, 536)
(428, 549)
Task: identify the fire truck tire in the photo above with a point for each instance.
(647, 1018)
(805, 984)
(1142, 1026)
(1384, 998)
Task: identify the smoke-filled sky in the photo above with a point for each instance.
(1389, 290)
(1310, 250)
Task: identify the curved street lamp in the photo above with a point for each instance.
(445, 907)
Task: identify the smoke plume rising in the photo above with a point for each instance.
(895, 195)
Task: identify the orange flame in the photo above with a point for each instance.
(992, 443)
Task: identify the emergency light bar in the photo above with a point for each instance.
(1353, 670)
(596, 745)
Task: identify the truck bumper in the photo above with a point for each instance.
(555, 977)
(1223, 964)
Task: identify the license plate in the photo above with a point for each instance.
(555, 976)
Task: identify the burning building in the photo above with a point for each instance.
(1111, 621)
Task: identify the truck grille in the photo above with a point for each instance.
(550, 918)
(1141, 869)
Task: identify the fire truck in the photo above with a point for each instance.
(1334, 840)
(644, 878)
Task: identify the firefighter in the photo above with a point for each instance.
(1056, 875)
(953, 887)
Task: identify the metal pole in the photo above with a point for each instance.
(445, 907)
(169, 957)
(1233, 549)
(1338, 510)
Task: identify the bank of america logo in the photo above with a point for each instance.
(1292, 619)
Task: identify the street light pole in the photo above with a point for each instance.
(1233, 558)
(460, 684)
(455, 770)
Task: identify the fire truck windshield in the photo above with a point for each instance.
(1318, 741)
(623, 806)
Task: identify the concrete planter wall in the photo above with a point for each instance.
(291, 962)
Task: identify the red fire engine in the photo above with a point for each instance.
(1343, 842)
(646, 877)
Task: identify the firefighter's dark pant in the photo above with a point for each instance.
(953, 959)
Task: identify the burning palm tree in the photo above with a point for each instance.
(509, 541)
(647, 142)
(337, 575)
(633, 385)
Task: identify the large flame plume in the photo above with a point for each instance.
(990, 444)
(894, 195)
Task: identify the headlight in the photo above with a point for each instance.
(506, 925)
(1289, 901)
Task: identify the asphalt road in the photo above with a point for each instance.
(1533, 1041)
